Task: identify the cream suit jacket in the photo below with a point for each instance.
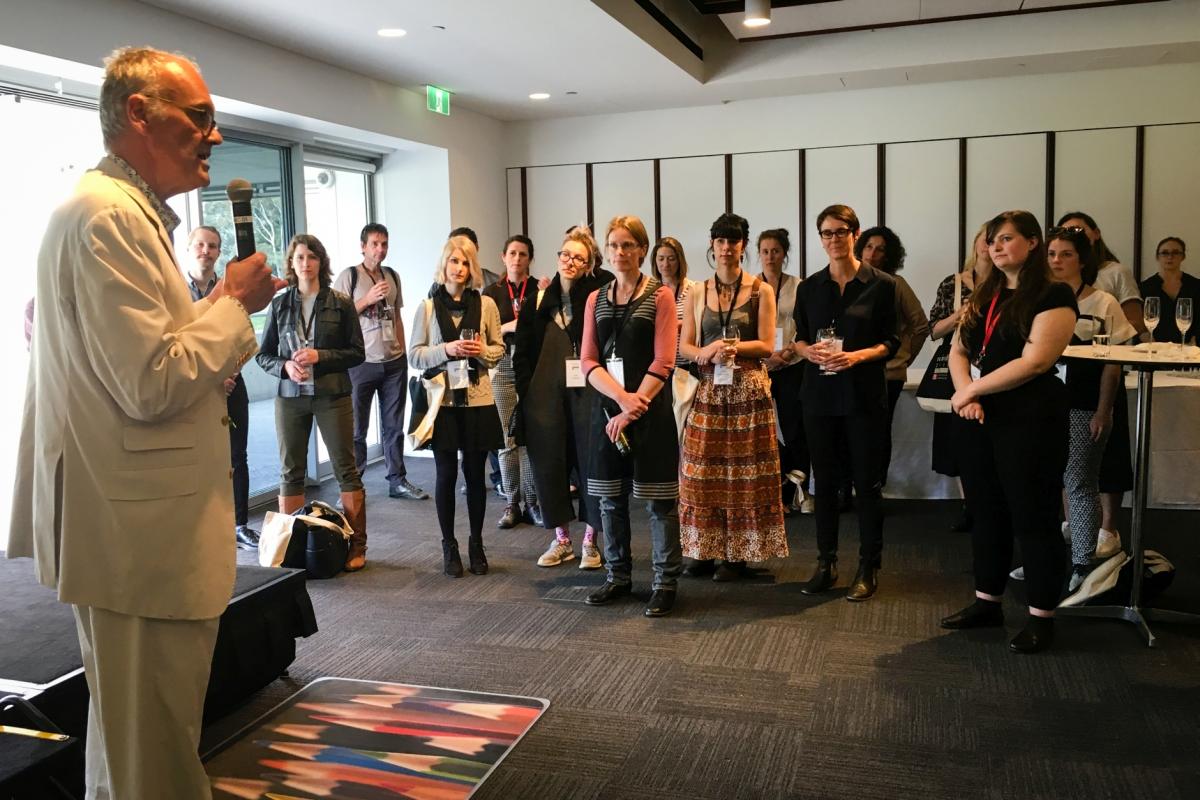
(122, 494)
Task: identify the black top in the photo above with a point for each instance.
(1167, 330)
(499, 292)
(336, 335)
(531, 325)
(1043, 395)
(864, 315)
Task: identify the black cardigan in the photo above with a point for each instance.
(531, 325)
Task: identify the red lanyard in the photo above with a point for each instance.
(516, 302)
(989, 324)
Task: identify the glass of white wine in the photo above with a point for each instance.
(730, 336)
(1150, 315)
(1183, 318)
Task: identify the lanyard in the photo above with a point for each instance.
(619, 326)
(516, 301)
(989, 324)
(306, 324)
(722, 317)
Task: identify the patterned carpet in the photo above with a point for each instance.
(753, 690)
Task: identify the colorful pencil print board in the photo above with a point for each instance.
(365, 740)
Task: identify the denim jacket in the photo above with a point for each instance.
(337, 337)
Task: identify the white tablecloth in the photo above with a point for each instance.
(1174, 443)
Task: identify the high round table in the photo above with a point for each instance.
(1166, 357)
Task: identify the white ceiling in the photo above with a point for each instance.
(493, 53)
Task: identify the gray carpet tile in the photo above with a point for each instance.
(754, 690)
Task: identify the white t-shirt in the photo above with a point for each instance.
(1099, 312)
(377, 347)
(1117, 279)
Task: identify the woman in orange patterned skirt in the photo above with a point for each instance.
(729, 503)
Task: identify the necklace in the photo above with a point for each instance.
(728, 288)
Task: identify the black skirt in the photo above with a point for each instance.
(467, 428)
(945, 452)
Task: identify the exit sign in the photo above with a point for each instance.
(437, 100)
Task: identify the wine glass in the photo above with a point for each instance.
(829, 337)
(1150, 315)
(1183, 318)
(730, 336)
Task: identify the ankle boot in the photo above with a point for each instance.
(822, 579)
(451, 560)
(475, 554)
(865, 584)
(354, 504)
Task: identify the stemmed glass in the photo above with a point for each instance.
(1183, 318)
(1150, 315)
(730, 336)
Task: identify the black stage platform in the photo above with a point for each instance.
(39, 648)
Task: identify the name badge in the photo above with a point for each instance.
(388, 329)
(456, 374)
(778, 339)
(975, 374)
(616, 368)
(575, 374)
(723, 375)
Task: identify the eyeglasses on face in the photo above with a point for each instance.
(572, 258)
(202, 117)
(624, 247)
(835, 233)
(1170, 253)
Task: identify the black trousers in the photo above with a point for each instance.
(1012, 476)
(446, 470)
(894, 388)
(793, 450)
(863, 434)
(390, 380)
(238, 408)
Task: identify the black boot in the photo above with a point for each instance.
(1037, 636)
(865, 583)
(478, 560)
(823, 579)
(980, 614)
(451, 560)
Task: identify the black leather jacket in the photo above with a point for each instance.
(337, 336)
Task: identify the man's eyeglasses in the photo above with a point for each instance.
(577, 260)
(624, 247)
(1170, 253)
(202, 117)
(836, 233)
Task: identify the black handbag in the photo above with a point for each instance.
(937, 387)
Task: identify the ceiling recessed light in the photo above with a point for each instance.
(391, 33)
(758, 13)
(439, 27)
(539, 96)
(572, 93)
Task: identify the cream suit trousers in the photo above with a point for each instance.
(147, 679)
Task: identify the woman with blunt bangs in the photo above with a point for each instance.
(729, 503)
(846, 331)
(786, 371)
(456, 334)
(556, 405)
(628, 352)
(881, 248)
(1091, 389)
(311, 340)
(1013, 437)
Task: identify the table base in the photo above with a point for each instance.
(1141, 617)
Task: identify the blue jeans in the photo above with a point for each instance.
(390, 380)
(664, 541)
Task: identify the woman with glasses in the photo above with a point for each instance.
(311, 340)
(881, 248)
(846, 331)
(1116, 468)
(628, 352)
(1013, 438)
(729, 503)
(1171, 285)
(510, 294)
(1092, 391)
(944, 317)
(785, 370)
(556, 406)
(456, 334)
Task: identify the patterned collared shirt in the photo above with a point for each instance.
(169, 218)
(199, 292)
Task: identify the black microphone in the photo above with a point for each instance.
(240, 193)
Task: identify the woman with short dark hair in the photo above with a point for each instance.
(1170, 285)
(311, 340)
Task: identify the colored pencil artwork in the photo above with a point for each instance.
(358, 740)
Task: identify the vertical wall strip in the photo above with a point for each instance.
(524, 203)
(728, 183)
(1139, 185)
(802, 230)
(1050, 154)
(591, 205)
(657, 202)
(962, 199)
(881, 184)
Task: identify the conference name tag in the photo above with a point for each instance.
(456, 374)
(975, 373)
(616, 368)
(778, 339)
(575, 374)
(723, 375)
(388, 328)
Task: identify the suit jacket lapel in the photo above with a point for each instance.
(114, 172)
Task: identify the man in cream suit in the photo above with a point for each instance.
(122, 495)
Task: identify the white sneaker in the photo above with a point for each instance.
(555, 554)
(808, 505)
(1078, 574)
(1017, 574)
(591, 557)
(1108, 543)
